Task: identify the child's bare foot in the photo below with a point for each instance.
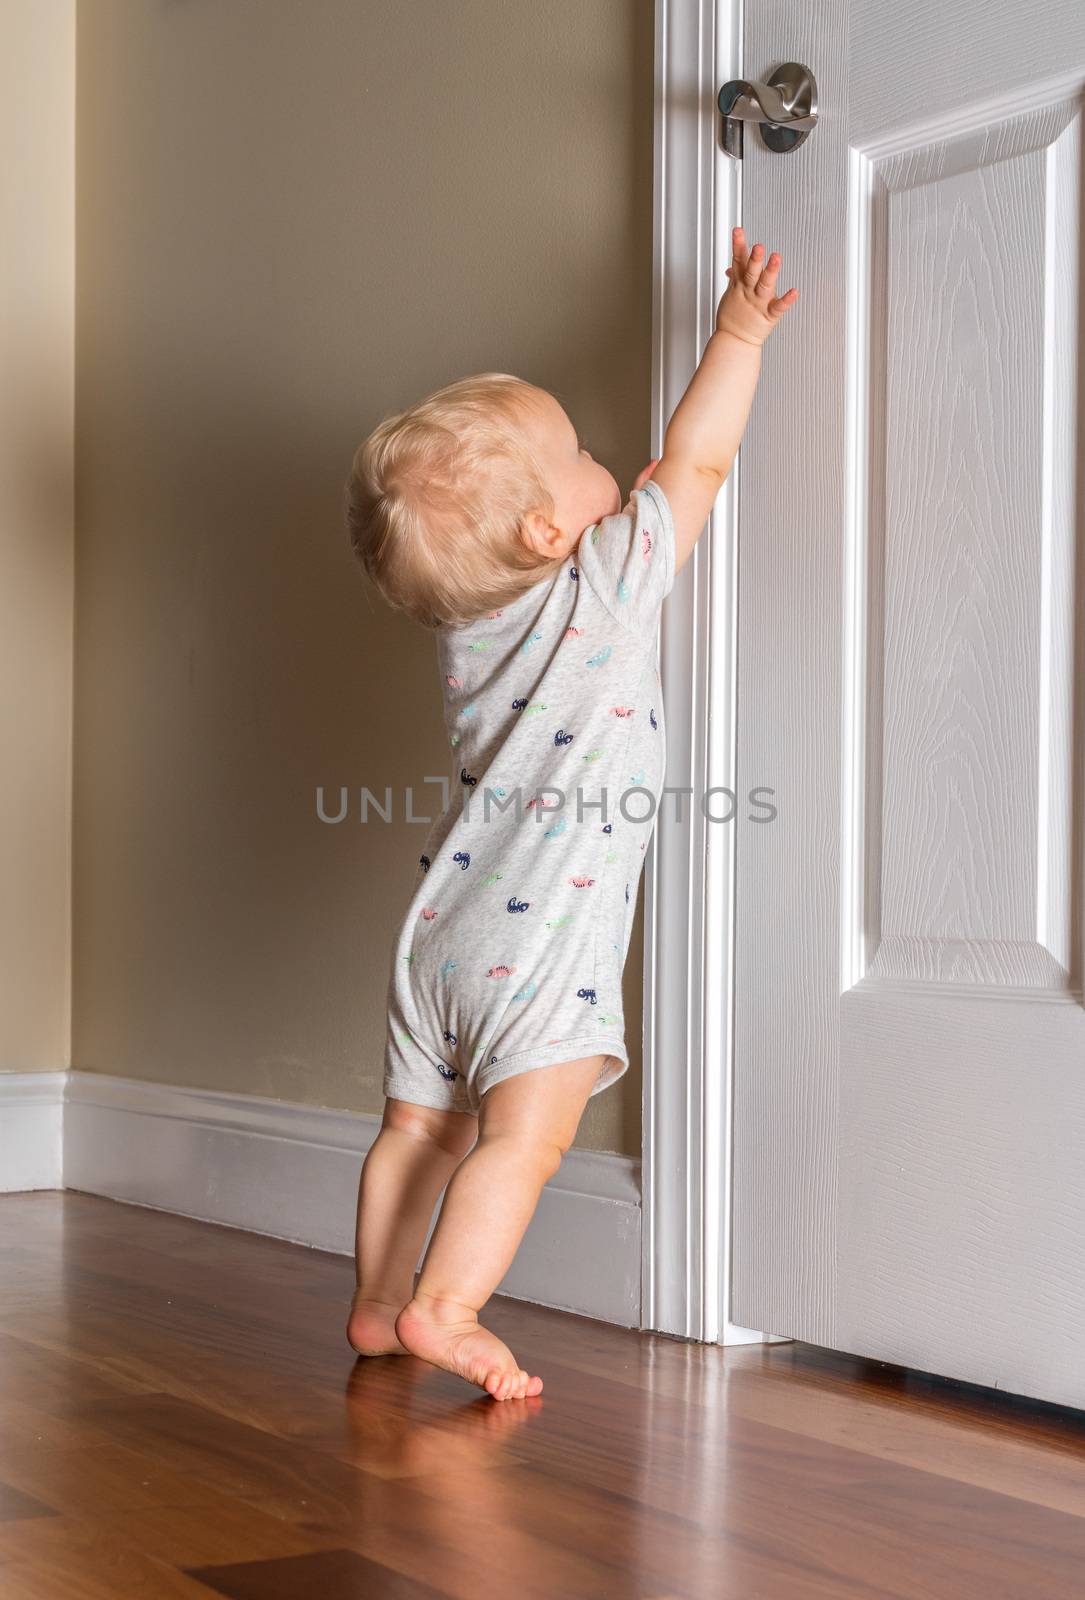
(451, 1337)
(371, 1328)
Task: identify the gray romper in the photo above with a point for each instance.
(511, 952)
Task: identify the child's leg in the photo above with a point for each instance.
(408, 1164)
(526, 1124)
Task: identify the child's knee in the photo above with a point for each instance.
(531, 1149)
(539, 1128)
(449, 1130)
(544, 1104)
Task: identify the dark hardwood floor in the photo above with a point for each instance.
(180, 1415)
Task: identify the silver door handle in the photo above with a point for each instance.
(784, 106)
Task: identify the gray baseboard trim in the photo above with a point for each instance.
(291, 1171)
(31, 1123)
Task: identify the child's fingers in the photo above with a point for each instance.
(749, 267)
(767, 281)
(754, 263)
(784, 303)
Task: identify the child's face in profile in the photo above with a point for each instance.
(584, 491)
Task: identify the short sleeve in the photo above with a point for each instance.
(628, 558)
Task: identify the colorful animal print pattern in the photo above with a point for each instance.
(511, 951)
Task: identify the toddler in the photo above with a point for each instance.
(479, 513)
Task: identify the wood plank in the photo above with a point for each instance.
(15, 1506)
(73, 1558)
(99, 1478)
(333, 1574)
(199, 1425)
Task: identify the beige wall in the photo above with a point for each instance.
(292, 218)
(37, 260)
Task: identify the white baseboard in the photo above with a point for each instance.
(31, 1137)
(291, 1171)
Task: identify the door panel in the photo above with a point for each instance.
(909, 1032)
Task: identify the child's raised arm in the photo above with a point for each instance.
(703, 435)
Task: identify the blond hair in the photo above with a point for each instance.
(436, 497)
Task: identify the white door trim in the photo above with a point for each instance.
(689, 876)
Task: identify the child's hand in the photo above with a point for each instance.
(642, 477)
(749, 309)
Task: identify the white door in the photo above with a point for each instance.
(909, 1046)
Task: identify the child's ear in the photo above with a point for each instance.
(540, 535)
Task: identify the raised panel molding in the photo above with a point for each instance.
(962, 561)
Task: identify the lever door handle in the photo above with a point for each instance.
(784, 107)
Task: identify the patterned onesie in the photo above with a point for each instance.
(511, 952)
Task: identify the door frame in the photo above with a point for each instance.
(689, 890)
